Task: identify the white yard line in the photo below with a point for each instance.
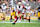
(17, 22)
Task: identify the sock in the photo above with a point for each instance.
(16, 19)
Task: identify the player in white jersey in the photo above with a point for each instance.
(13, 12)
(28, 8)
(19, 6)
(3, 10)
(4, 7)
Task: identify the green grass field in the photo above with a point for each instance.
(20, 25)
(37, 24)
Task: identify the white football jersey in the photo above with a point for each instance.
(28, 8)
(3, 6)
(20, 7)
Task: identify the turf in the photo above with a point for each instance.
(20, 25)
(37, 24)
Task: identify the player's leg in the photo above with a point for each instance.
(3, 17)
(11, 16)
(15, 20)
(24, 17)
(19, 17)
(29, 15)
(13, 13)
(38, 19)
(27, 18)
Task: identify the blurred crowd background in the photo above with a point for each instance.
(8, 4)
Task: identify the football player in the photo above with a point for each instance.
(38, 13)
(13, 13)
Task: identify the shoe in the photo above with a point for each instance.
(13, 23)
(29, 20)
